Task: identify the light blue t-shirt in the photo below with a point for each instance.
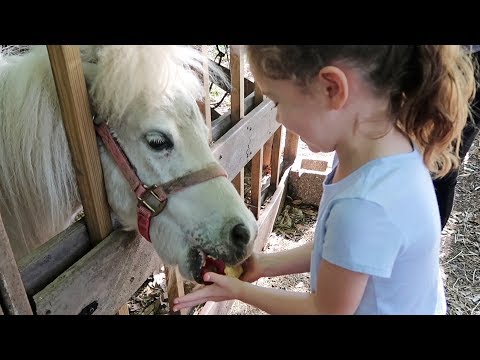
(383, 220)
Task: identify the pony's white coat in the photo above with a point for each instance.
(142, 92)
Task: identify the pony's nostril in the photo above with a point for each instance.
(240, 235)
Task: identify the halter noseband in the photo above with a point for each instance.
(146, 210)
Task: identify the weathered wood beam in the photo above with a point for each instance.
(249, 86)
(276, 161)
(13, 298)
(257, 167)
(290, 150)
(237, 146)
(175, 288)
(224, 122)
(74, 103)
(103, 280)
(52, 258)
(237, 103)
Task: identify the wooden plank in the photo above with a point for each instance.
(291, 146)
(237, 147)
(267, 148)
(13, 297)
(239, 183)
(77, 119)
(54, 257)
(270, 213)
(258, 95)
(275, 164)
(237, 102)
(224, 123)
(175, 288)
(238, 90)
(123, 310)
(265, 227)
(103, 280)
(257, 168)
(256, 183)
(267, 155)
(248, 85)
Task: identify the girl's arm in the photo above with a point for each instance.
(339, 291)
(292, 261)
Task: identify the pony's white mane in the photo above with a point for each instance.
(36, 176)
(156, 74)
(38, 191)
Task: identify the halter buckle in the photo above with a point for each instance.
(154, 208)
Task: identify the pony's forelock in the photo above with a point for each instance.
(151, 75)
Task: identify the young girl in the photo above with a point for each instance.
(394, 115)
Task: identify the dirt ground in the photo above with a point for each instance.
(461, 240)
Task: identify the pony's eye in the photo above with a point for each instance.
(158, 141)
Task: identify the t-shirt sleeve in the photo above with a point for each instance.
(360, 237)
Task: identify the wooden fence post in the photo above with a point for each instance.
(12, 290)
(72, 92)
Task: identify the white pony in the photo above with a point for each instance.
(147, 95)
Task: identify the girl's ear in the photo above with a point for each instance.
(335, 85)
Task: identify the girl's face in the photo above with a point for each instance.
(308, 114)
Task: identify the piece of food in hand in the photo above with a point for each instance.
(234, 271)
(218, 266)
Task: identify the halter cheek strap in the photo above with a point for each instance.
(152, 200)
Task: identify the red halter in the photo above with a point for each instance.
(157, 193)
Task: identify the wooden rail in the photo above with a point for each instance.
(77, 119)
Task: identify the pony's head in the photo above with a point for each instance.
(147, 95)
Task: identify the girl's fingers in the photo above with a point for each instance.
(196, 295)
(188, 304)
(223, 281)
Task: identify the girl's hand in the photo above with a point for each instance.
(253, 268)
(223, 288)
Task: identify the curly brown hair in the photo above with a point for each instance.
(429, 87)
